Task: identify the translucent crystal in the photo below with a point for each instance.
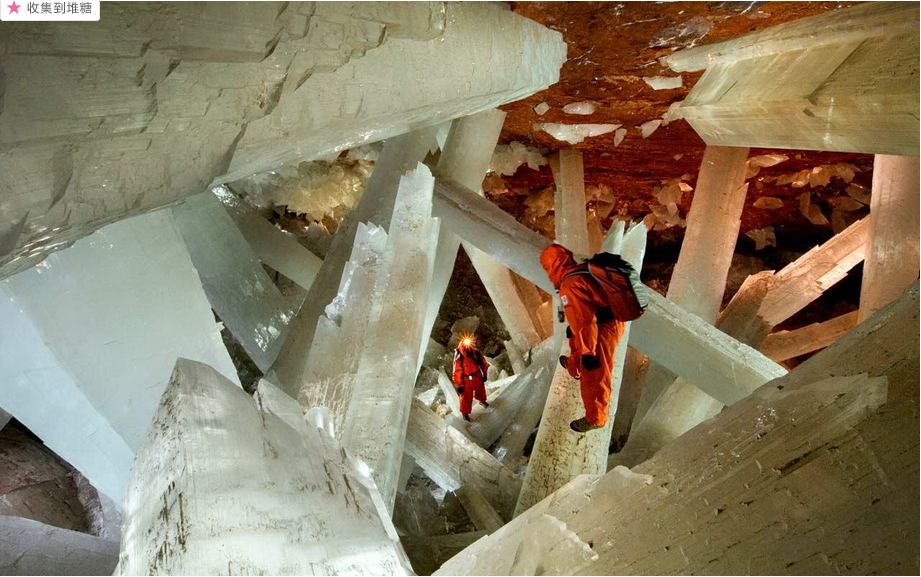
(647, 128)
(510, 445)
(467, 153)
(33, 548)
(819, 83)
(479, 510)
(569, 201)
(768, 202)
(504, 407)
(95, 329)
(376, 207)
(91, 120)
(452, 460)
(331, 365)
(274, 247)
(756, 163)
(699, 279)
(375, 424)
(783, 345)
(214, 469)
(892, 249)
(508, 157)
(575, 133)
(805, 279)
(763, 237)
(663, 82)
(520, 57)
(581, 108)
(238, 288)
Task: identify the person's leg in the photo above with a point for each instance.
(466, 398)
(479, 390)
(595, 386)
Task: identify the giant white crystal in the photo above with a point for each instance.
(375, 424)
(508, 157)
(465, 157)
(839, 81)
(399, 155)
(452, 460)
(696, 350)
(89, 337)
(33, 548)
(240, 291)
(808, 447)
(156, 105)
(273, 246)
(504, 409)
(892, 250)
(221, 487)
(329, 377)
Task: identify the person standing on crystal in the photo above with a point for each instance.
(469, 375)
(593, 334)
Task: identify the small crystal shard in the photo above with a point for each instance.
(582, 108)
(663, 82)
(756, 163)
(575, 133)
(859, 193)
(647, 128)
(768, 202)
(763, 237)
(673, 113)
(811, 211)
(845, 203)
(541, 108)
(508, 157)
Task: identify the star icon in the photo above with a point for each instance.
(14, 7)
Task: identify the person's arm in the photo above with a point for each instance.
(458, 370)
(580, 314)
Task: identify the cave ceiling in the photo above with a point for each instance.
(612, 47)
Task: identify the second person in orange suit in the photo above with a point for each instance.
(469, 376)
(593, 334)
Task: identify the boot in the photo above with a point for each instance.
(484, 403)
(467, 418)
(582, 426)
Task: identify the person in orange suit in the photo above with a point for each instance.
(469, 376)
(593, 334)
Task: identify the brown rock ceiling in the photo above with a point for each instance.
(612, 45)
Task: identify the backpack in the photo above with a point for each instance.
(620, 281)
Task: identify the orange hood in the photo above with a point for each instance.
(557, 261)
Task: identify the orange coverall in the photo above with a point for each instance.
(470, 373)
(582, 298)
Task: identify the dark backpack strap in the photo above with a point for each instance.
(582, 269)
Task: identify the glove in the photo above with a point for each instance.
(574, 366)
(460, 390)
(590, 362)
(569, 334)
